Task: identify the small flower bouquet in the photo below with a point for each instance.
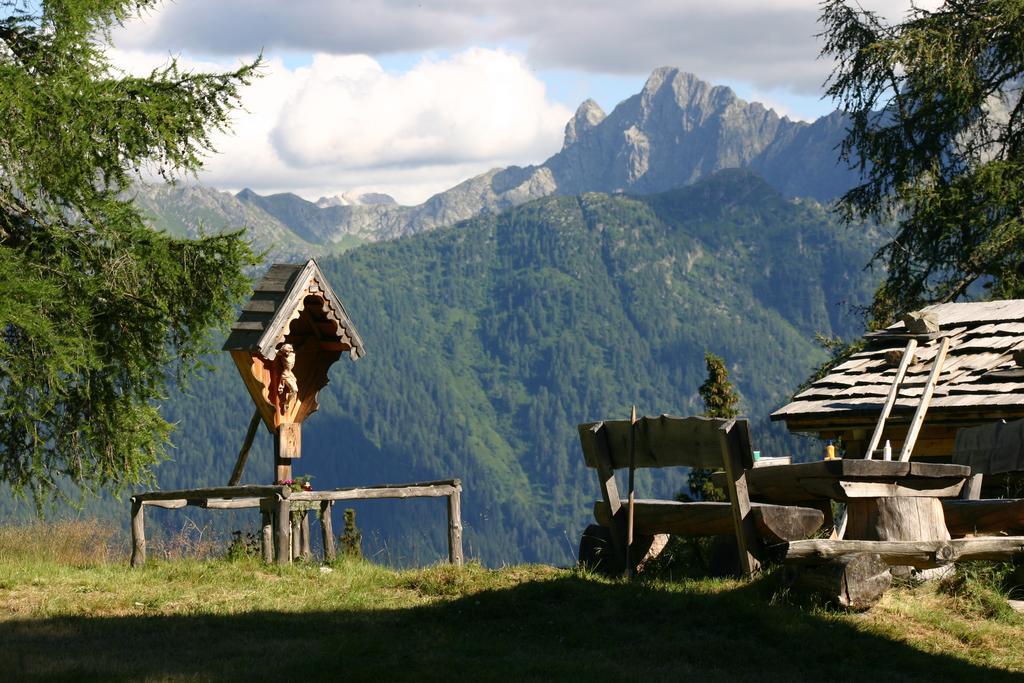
(302, 483)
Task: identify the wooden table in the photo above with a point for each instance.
(885, 500)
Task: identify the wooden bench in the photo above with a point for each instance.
(666, 441)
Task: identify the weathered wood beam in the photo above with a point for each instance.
(167, 504)
(890, 400)
(921, 554)
(370, 492)
(282, 531)
(926, 398)
(138, 534)
(455, 528)
(243, 454)
(267, 535)
(327, 529)
(987, 516)
(215, 492)
(774, 523)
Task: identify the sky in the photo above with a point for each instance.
(410, 97)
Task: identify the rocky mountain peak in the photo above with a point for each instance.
(588, 115)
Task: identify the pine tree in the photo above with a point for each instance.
(98, 312)
(936, 127)
(720, 400)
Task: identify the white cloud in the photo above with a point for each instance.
(768, 43)
(344, 123)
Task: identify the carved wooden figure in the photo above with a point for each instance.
(289, 334)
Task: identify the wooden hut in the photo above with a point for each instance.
(288, 335)
(982, 380)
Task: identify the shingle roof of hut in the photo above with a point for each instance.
(979, 376)
(277, 299)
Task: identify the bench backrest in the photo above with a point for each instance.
(666, 441)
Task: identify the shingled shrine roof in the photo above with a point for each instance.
(979, 376)
(277, 299)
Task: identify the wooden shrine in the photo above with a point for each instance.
(284, 342)
(289, 333)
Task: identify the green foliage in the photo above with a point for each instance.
(937, 130)
(243, 545)
(351, 539)
(97, 312)
(720, 400)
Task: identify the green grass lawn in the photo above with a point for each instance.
(70, 611)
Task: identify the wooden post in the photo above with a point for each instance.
(631, 492)
(972, 487)
(732, 446)
(327, 530)
(267, 537)
(455, 527)
(138, 534)
(610, 492)
(282, 542)
(926, 398)
(307, 550)
(243, 454)
(287, 446)
(296, 526)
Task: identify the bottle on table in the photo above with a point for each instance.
(830, 450)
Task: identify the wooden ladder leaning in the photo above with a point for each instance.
(890, 401)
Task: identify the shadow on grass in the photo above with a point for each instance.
(568, 628)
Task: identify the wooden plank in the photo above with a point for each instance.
(247, 326)
(922, 408)
(920, 554)
(138, 534)
(373, 492)
(327, 529)
(288, 441)
(987, 516)
(455, 528)
(732, 446)
(261, 305)
(906, 487)
(167, 504)
(243, 454)
(663, 441)
(890, 400)
(774, 523)
(249, 491)
(307, 549)
(226, 503)
(608, 488)
(631, 491)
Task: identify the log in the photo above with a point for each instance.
(455, 528)
(896, 519)
(854, 582)
(296, 549)
(921, 554)
(167, 504)
(225, 503)
(282, 531)
(267, 536)
(327, 530)
(138, 534)
(430, 490)
(987, 516)
(307, 546)
(216, 492)
(773, 523)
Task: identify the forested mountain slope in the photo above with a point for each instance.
(489, 341)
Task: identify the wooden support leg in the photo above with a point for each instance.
(898, 519)
(307, 550)
(282, 542)
(455, 528)
(267, 537)
(296, 548)
(327, 530)
(138, 534)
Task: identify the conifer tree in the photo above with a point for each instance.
(720, 400)
(98, 312)
(936, 127)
